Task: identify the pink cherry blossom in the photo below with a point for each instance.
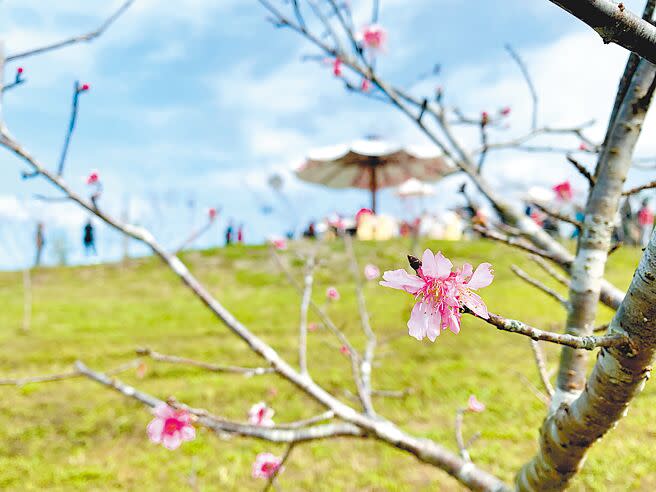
(278, 243)
(212, 213)
(344, 349)
(440, 293)
(313, 326)
(373, 37)
(170, 427)
(473, 405)
(93, 178)
(332, 293)
(337, 67)
(261, 414)
(371, 272)
(265, 465)
(505, 111)
(365, 86)
(583, 146)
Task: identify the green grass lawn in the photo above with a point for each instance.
(77, 435)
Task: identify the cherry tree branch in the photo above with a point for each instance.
(550, 270)
(305, 304)
(90, 36)
(557, 215)
(585, 343)
(539, 285)
(174, 359)
(48, 378)
(462, 447)
(638, 189)
(367, 360)
(529, 82)
(615, 24)
(541, 363)
(582, 170)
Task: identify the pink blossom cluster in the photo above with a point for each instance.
(440, 293)
(170, 427)
(261, 414)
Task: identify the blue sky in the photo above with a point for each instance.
(201, 100)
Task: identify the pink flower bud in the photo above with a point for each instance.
(505, 111)
(365, 86)
(344, 350)
(473, 405)
(93, 178)
(84, 87)
(19, 70)
(337, 67)
(212, 213)
(332, 294)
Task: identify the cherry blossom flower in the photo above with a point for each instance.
(473, 405)
(337, 67)
(373, 37)
(313, 326)
(261, 414)
(371, 272)
(564, 191)
(332, 294)
(93, 178)
(212, 213)
(440, 293)
(485, 118)
(278, 243)
(265, 465)
(170, 427)
(583, 147)
(84, 88)
(344, 349)
(365, 86)
(19, 70)
(505, 111)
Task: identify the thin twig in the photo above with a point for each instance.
(581, 169)
(174, 359)
(370, 349)
(305, 304)
(527, 77)
(48, 378)
(277, 471)
(585, 343)
(557, 215)
(541, 363)
(71, 128)
(638, 189)
(550, 270)
(90, 36)
(539, 285)
(464, 454)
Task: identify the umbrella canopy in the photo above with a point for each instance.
(414, 187)
(371, 164)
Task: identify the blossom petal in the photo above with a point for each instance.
(417, 322)
(454, 322)
(482, 277)
(154, 430)
(433, 325)
(444, 265)
(172, 441)
(188, 433)
(476, 304)
(402, 280)
(164, 411)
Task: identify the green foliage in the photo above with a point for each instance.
(76, 435)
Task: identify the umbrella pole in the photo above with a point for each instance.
(373, 189)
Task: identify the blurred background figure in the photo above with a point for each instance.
(240, 234)
(89, 239)
(229, 234)
(39, 242)
(645, 221)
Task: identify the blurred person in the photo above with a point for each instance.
(39, 242)
(229, 233)
(89, 239)
(645, 221)
(240, 234)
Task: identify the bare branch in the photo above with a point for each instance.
(557, 215)
(581, 169)
(638, 189)
(464, 454)
(90, 36)
(541, 363)
(529, 82)
(536, 283)
(48, 378)
(550, 270)
(573, 341)
(303, 325)
(71, 127)
(174, 359)
(615, 24)
(367, 361)
(277, 471)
